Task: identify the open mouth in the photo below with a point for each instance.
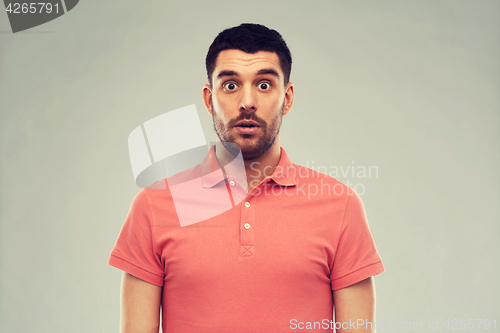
(247, 124)
(247, 128)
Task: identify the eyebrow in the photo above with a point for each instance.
(261, 72)
(227, 73)
(268, 71)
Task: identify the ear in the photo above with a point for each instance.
(207, 98)
(288, 98)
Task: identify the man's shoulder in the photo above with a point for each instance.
(309, 177)
(307, 174)
(161, 188)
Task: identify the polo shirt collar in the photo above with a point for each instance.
(284, 174)
(211, 172)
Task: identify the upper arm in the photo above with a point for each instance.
(355, 303)
(140, 305)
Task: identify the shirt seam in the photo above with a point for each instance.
(153, 243)
(142, 269)
(356, 269)
(340, 233)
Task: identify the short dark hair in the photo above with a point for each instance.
(250, 38)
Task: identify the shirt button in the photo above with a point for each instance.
(247, 204)
(231, 183)
(247, 226)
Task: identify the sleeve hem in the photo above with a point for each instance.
(135, 270)
(357, 276)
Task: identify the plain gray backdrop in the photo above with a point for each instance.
(411, 87)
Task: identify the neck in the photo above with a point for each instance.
(263, 166)
(256, 169)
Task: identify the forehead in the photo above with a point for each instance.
(243, 62)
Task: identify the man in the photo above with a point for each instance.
(295, 244)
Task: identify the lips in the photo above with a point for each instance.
(247, 124)
(247, 127)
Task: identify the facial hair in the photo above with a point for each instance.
(249, 148)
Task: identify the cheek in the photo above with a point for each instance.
(221, 107)
(274, 108)
(274, 101)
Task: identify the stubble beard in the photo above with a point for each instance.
(249, 148)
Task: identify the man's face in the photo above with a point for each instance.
(248, 100)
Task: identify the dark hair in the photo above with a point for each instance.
(249, 38)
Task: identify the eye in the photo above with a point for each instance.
(264, 85)
(229, 85)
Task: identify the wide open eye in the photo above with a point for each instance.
(264, 85)
(230, 85)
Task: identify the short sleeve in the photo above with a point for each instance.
(356, 257)
(134, 251)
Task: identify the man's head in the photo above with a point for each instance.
(248, 69)
(250, 38)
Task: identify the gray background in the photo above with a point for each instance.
(411, 87)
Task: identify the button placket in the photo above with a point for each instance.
(237, 191)
(247, 227)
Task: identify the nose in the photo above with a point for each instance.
(248, 100)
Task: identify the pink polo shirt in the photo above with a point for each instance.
(270, 261)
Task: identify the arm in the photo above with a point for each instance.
(355, 303)
(140, 306)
